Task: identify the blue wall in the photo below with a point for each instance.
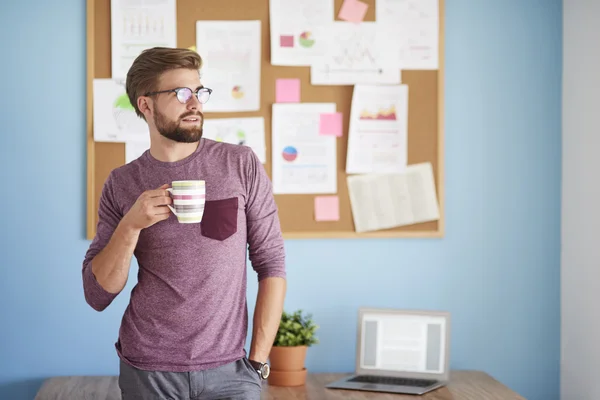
(496, 270)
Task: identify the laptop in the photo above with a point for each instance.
(400, 351)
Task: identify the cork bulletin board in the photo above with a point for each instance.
(425, 120)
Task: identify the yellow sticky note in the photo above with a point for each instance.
(327, 208)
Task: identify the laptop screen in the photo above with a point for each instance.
(403, 342)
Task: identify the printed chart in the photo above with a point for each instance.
(356, 54)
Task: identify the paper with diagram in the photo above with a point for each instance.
(299, 30)
(383, 201)
(241, 131)
(415, 27)
(115, 119)
(304, 161)
(231, 64)
(135, 148)
(356, 54)
(378, 129)
(137, 25)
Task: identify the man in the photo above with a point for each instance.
(183, 333)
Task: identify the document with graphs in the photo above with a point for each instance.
(231, 55)
(415, 27)
(139, 25)
(115, 119)
(299, 30)
(304, 161)
(135, 148)
(378, 129)
(356, 54)
(248, 131)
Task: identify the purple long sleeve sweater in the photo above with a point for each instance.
(188, 310)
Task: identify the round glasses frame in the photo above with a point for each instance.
(184, 94)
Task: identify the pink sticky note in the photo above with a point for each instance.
(287, 90)
(327, 208)
(353, 11)
(330, 124)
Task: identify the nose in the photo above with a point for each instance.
(194, 104)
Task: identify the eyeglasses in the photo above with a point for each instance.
(185, 94)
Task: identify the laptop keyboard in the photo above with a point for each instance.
(391, 380)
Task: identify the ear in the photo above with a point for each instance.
(143, 104)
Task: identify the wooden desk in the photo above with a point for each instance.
(464, 385)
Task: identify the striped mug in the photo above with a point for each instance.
(188, 200)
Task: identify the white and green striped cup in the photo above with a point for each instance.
(188, 200)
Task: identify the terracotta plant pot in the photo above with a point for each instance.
(287, 358)
(287, 378)
(287, 365)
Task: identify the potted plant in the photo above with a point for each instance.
(295, 335)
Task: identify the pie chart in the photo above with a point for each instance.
(289, 153)
(306, 40)
(237, 92)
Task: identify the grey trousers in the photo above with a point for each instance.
(234, 381)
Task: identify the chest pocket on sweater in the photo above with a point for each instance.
(220, 218)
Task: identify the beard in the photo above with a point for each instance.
(174, 131)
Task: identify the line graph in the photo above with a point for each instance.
(356, 54)
(352, 53)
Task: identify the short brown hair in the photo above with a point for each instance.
(147, 68)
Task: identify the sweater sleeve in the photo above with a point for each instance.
(108, 219)
(265, 241)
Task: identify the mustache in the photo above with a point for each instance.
(193, 114)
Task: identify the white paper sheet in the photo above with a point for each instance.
(377, 132)
(304, 162)
(115, 119)
(137, 25)
(415, 27)
(135, 148)
(242, 131)
(299, 30)
(383, 201)
(230, 53)
(356, 54)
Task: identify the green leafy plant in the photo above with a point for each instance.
(296, 329)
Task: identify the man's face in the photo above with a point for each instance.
(181, 122)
